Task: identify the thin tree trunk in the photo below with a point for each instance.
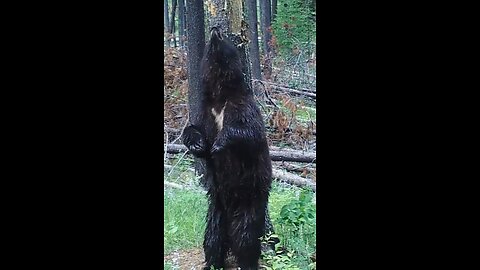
(172, 24)
(266, 18)
(315, 10)
(274, 9)
(185, 23)
(181, 21)
(235, 15)
(251, 8)
(240, 39)
(195, 46)
(229, 21)
(217, 15)
(166, 21)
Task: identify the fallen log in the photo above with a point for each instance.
(285, 86)
(293, 168)
(287, 177)
(294, 91)
(294, 179)
(285, 149)
(275, 155)
(295, 156)
(177, 131)
(307, 93)
(174, 185)
(296, 73)
(175, 148)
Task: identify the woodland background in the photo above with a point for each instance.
(279, 40)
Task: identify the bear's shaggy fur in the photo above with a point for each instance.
(232, 139)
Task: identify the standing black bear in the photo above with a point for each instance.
(232, 140)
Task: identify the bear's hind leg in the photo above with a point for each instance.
(245, 230)
(214, 244)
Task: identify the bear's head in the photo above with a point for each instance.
(222, 67)
(221, 54)
(221, 51)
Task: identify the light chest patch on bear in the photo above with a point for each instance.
(219, 116)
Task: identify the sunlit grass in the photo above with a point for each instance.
(184, 219)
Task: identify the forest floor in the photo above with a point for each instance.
(188, 259)
(191, 259)
(184, 220)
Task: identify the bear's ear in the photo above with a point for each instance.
(215, 34)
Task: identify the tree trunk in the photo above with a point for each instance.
(239, 37)
(314, 8)
(166, 21)
(172, 24)
(235, 15)
(185, 22)
(195, 46)
(251, 8)
(227, 16)
(217, 15)
(181, 21)
(274, 9)
(266, 18)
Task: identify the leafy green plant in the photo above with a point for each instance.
(298, 213)
(297, 235)
(269, 238)
(280, 261)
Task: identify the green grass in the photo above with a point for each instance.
(167, 266)
(184, 219)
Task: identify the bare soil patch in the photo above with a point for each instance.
(192, 259)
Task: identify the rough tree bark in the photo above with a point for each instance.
(227, 15)
(240, 39)
(217, 15)
(195, 46)
(166, 21)
(265, 19)
(172, 23)
(181, 21)
(251, 9)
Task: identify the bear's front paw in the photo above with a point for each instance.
(194, 141)
(217, 147)
(197, 147)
